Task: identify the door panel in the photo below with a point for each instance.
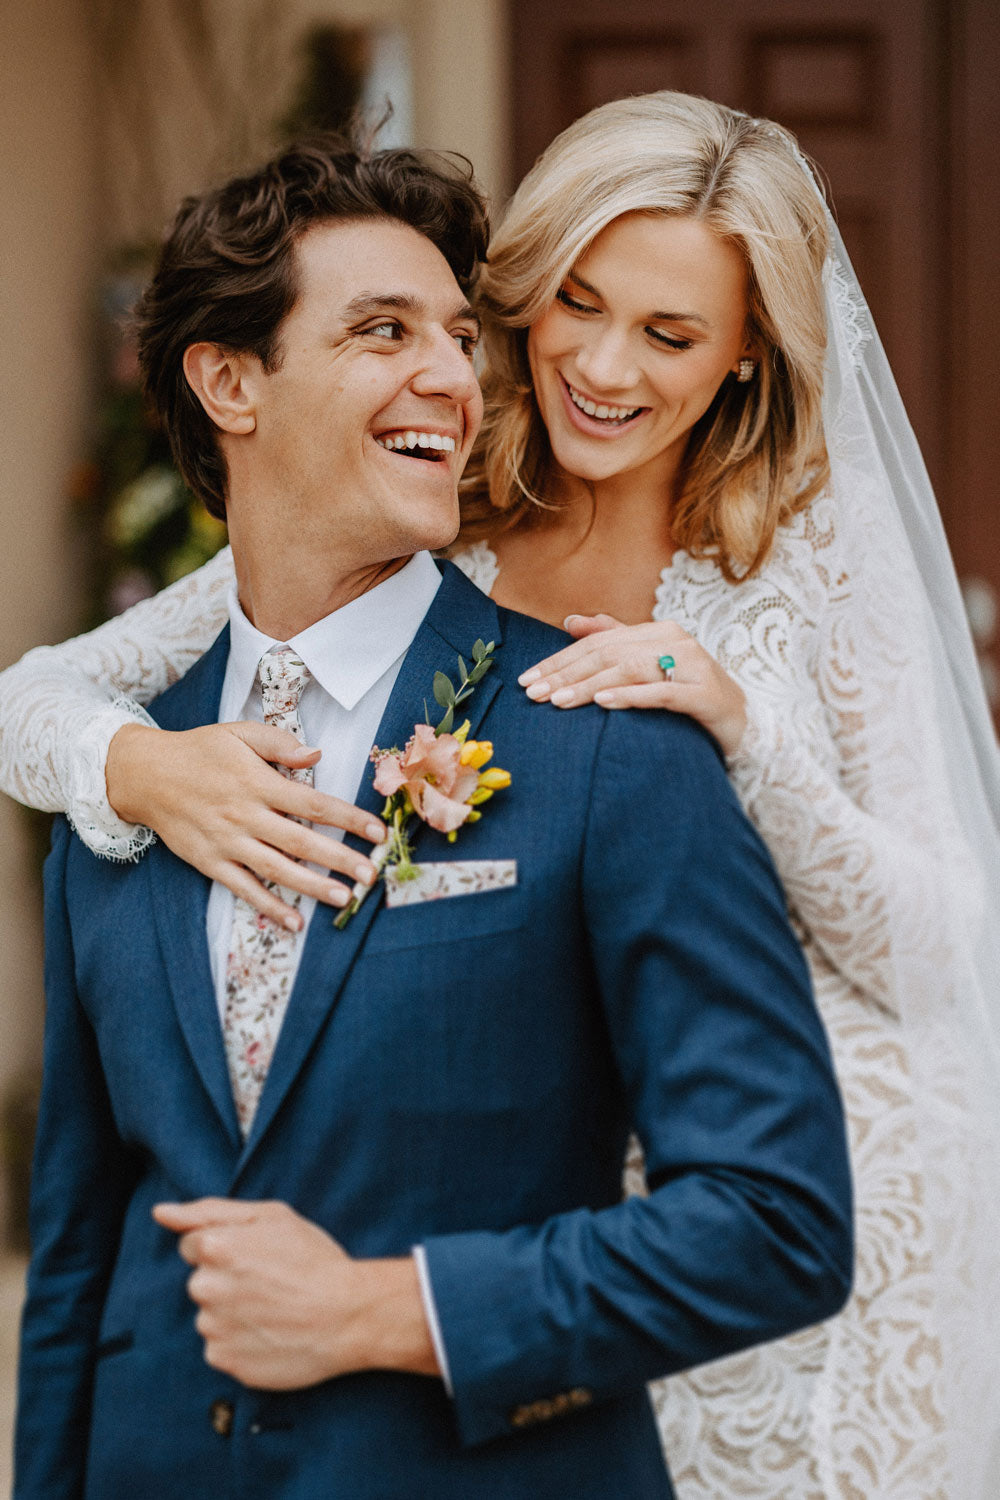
(897, 101)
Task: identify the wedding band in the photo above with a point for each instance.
(666, 665)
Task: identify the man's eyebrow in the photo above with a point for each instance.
(368, 304)
(654, 317)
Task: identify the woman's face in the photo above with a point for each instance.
(641, 334)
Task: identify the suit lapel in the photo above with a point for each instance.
(179, 895)
(459, 615)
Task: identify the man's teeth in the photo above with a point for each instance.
(602, 413)
(409, 439)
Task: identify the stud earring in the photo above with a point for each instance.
(746, 370)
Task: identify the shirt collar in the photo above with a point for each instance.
(349, 650)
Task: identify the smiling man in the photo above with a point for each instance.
(335, 1211)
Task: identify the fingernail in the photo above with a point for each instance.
(365, 873)
(539, 690)
(531, 675)
(604, 697)
(311, 750)
(338, 896)
(376, 832)
(563, 696)
(293, 922)
(569, 618)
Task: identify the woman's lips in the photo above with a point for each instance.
(600, 427)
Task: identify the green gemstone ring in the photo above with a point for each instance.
(666, 665)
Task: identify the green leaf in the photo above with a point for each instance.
(445, 725)
(478, 673)
(462, 670)
(444, 692)
(478, 652)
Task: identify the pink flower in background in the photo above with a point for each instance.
(431, 772)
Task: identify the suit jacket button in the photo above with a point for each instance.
(221, 1414)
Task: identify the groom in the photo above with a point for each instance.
(340, 1214)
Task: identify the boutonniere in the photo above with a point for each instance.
(440, 777)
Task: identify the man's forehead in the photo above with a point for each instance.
(363, 266)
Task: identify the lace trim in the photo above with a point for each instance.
(89, 810)
(855, 319)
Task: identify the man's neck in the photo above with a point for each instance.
(282, 596)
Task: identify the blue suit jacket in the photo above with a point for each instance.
(463, 1074)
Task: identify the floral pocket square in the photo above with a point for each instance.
(452, 877)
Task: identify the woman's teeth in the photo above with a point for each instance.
(401, 441)
(602, 413)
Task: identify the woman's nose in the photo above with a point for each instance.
(605, 361)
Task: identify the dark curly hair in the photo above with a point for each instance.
(226, 274)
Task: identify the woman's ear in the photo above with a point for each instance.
(218, 379)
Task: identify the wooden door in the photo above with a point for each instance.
(897, 100)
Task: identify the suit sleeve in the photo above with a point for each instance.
(746, 1233)
(81, 1181)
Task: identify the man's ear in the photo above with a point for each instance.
(219, 380)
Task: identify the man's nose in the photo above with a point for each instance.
(446, 371)
(606, 362)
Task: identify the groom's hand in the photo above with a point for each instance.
(281, 1305)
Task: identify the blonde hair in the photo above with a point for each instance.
(757, 455)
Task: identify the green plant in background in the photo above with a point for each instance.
(145, 527)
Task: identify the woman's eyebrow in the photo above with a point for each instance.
(654, 317)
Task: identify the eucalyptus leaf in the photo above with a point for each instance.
(444, 692)
(445, 725)
(463, 670)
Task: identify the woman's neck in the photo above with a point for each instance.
(602, 550)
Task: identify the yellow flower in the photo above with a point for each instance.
(476, 753)
(494, 779)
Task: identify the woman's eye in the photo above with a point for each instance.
(573, 303)
(467, 342)
(671, 343)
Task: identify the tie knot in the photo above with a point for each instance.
(282, 675)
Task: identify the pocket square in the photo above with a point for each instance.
(454, 877)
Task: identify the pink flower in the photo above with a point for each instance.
(430, 770)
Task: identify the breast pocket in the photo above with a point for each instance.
(451, 920)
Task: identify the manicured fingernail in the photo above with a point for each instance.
(604, 697)
(311, 750)
(365, 872)
(562, 697)
(569, 619)
(338, 895)
(530, 676)
(376, 832)
(538, 690)
(293, 922)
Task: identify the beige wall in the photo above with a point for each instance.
(48, 230)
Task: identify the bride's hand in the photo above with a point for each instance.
(215, 801)
(617, 666)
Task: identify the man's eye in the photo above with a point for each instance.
(386, 330)
(467, 342)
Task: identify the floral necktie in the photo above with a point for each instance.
(261, 963)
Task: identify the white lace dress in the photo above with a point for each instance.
(849, 1409)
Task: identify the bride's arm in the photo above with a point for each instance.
(854, 872)
(60, 706)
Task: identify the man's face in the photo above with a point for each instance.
(364, 429)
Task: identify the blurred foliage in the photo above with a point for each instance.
(146, 528)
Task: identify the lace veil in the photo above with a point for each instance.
(933, 768)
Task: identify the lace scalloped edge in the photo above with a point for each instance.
(88, 810)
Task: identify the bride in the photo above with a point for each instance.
(695, 454)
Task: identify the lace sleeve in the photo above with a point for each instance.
(60, 706)
(803, 773)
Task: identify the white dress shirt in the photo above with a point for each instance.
(354, 656)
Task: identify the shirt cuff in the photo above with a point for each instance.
(430, 1313)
